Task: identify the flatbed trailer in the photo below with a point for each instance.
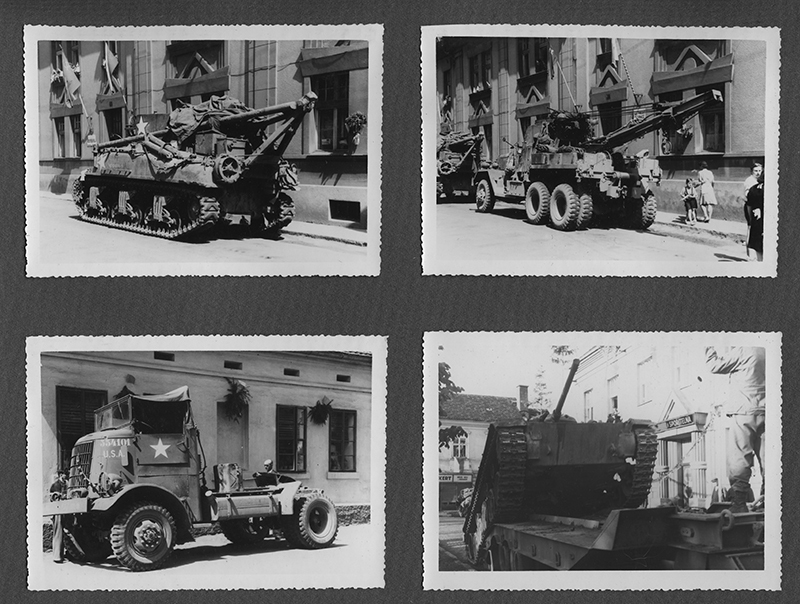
(660, 538)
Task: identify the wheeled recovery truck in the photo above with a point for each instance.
(136, 486)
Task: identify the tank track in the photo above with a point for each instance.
(646, 453)
(207, 217)
(504, 474)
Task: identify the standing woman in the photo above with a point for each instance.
(707, 197)
(755, 208)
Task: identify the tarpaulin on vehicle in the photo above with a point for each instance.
(185, 120)
(174, 396)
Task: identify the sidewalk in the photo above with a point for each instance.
(331, 232)
(675, 224)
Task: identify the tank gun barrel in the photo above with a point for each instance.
(563, 398)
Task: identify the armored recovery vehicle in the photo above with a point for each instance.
(214, 159)
(554, 494)
(565, 176)
(137, 485)
(458, 157)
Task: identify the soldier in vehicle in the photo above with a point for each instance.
(746, 411)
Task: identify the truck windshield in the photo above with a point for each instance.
(115, 415)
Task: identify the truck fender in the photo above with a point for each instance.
(286, 497)
(495, 178)
(147, 492)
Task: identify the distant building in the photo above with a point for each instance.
(276, 424)
(670, 387)
(502, 86)
(117, 84)
(459, 463)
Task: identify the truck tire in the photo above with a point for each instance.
(314, 523)
(644, 213)
(143, 536)
(587, 211)
(245, 530)
(565, 208)
(537, 203)
(484, 196)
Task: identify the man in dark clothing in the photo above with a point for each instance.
(58, 490)
(755, 209)
(746, 410)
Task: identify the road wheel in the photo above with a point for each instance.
(245, 530)
(643, 214)
(587, 210)
(143, 536)
(80, 195)
(537, 203)
(565, 208)
(314, 523)
(484, 196)
(279, 214)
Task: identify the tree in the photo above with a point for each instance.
(541, 393)
(561, 355)
(447, 390)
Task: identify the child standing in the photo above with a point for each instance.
(689, 198)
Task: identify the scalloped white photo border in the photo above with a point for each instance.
(369, 576)
(767, 579)
(432, 265)
(367, 264)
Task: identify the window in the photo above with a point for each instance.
(233, 365)
(588, 410)
(342, 378)
(480, 71)
(331, 109)
(61, 138)
(291, 372)
(672, 142)
(113, 119)
(460, 447)
(610, 116)
(75, 417)
(75, 128)
(164, 356)
(342, 441)
(291, 438)
(523, 57)
(613, 400)
(712, 123)
(524, 124)
(645, 381)
(532, 56)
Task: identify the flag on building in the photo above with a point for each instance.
(71, 81)
(111, 63)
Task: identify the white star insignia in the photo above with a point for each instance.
(141, 126)
(161, 449)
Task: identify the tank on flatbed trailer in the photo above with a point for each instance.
(566, 177)
(552, 493)
(214, 159)
(458, 158)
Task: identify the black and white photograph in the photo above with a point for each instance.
(586, 150)
(173, 462)
(203, 150)
(626, 459)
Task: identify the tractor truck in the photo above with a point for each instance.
(566, 177)
(555, 494)
(136, 486)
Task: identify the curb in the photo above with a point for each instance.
(336, 238)
(699, 232)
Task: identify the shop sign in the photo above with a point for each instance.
(463, 477)
(445, 478)
(678, 422)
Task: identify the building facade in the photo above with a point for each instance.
(670, 387)
(94, 91)
(276, 424)
(502, 86)
(458, 464)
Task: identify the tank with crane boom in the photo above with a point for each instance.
(565, 176)
(214, 159)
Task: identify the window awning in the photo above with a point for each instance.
(317, 61)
